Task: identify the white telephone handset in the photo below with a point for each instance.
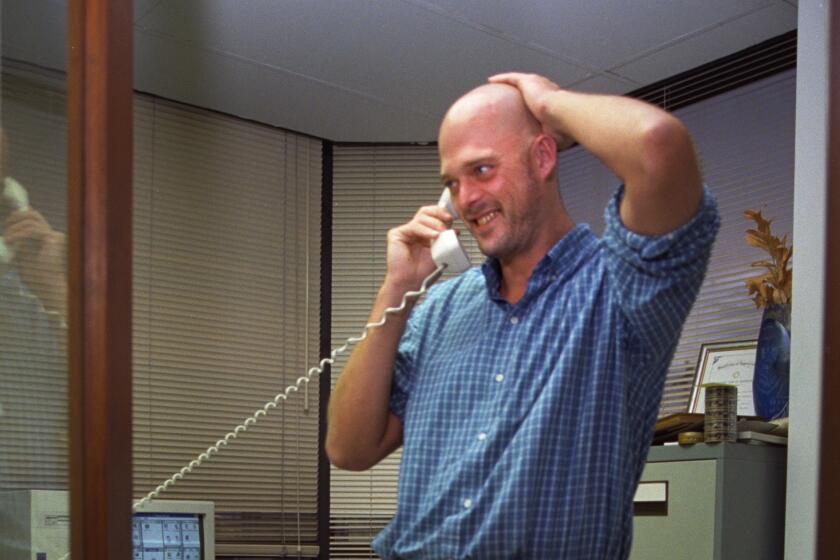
(14, 198)
(447, 249)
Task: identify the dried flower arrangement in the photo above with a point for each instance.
(774, 286)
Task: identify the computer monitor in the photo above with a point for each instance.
(174, 530)
(36, 524)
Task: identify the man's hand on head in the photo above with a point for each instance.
(536, 90)
(647, 148)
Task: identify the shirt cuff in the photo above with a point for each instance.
(663, 254)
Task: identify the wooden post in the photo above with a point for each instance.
(99, 276)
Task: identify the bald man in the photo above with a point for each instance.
(524, 392)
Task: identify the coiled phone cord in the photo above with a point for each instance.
(273, 403)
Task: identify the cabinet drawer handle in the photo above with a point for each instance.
(651, 498)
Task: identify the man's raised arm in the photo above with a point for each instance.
(647, 148)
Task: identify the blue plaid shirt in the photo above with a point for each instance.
(526, 426)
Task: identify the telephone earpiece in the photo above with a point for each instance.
(14, 197)
(447, 249)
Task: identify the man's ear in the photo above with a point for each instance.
(544, 152)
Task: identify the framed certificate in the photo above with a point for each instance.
(725, 362)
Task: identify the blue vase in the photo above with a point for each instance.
(771, 378)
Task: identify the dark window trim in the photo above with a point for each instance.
(324, 381)
(746, 66)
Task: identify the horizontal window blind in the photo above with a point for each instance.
(744, 139)
(375, 188)
(33, 366)
(226, 316)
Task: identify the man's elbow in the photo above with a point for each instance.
(345, 458)
(666, 147)
(356, 450)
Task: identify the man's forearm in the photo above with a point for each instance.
(616, 129)
(647, 148)
(359, 405)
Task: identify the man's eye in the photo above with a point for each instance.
(482, 169)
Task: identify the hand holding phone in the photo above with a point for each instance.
(409, 258)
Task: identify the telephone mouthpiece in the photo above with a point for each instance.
(447, 250)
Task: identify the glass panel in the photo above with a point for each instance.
(34, 462)
(226, 298)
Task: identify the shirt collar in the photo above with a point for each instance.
(558, 263)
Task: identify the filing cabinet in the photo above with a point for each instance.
(722, 501)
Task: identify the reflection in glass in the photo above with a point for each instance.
(33, 289)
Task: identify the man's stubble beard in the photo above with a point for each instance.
(519, 236)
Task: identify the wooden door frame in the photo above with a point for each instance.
(99, 143)
(828, 518)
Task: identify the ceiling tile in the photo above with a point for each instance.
(386, 71)
(597, 34)
(390, 57)
(710, 45)
(602, 83)
(35, 32)
(241, 88)
(143, 7)
(386, 50)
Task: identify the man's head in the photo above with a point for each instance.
(500, 167)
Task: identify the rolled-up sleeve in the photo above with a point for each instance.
(403, 380)
(656, 278)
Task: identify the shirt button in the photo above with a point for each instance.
(499, 378)
(482, 436)
(467, 503)
(514, 320)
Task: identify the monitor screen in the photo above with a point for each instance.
(173, 530)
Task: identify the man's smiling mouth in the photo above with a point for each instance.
(486, 218)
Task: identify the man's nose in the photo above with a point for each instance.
(467, 195)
